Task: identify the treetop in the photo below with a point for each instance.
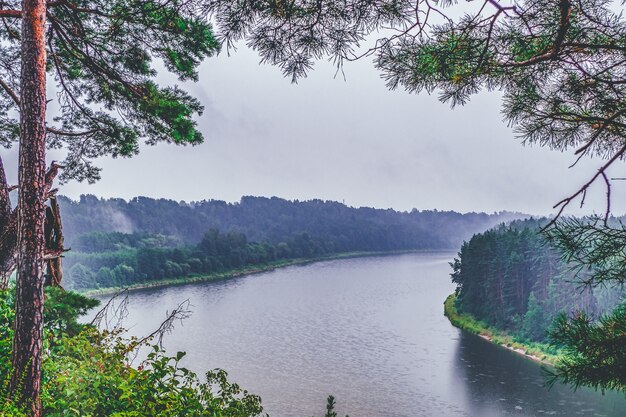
(102, 56)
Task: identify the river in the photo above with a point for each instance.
(370, 331)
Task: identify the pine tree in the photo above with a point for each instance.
(99, 56)
(534, 324)
(596, 352)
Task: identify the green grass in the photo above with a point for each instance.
(248, 270)
(543, 352)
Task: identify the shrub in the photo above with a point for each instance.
(87, 372)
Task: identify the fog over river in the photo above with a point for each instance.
(370, 331)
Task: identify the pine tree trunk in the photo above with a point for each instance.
(27, 342)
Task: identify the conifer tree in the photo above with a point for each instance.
(98, 55)
(534, 320)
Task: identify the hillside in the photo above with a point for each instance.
(128, 243)
(276, 220)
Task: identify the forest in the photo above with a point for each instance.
(513, 279)
(275, 220)
(116, 243)
(100, 79)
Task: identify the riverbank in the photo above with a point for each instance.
(538, 352)
(253, 269)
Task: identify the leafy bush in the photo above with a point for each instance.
(87, 372)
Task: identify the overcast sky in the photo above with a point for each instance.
(348, 140)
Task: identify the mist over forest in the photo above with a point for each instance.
(117, 243)
(275, 219)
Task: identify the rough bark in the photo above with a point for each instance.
(27, 342)
(53, 232)
(54, 244)
(8, 231)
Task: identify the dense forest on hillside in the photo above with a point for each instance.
(276, 220)
(512, 279)
(117, 243)
(119, 260)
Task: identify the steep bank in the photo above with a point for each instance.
(539, 352)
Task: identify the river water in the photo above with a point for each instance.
(370, 331)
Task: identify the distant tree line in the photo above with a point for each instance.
(118, 259)
(115, 242)
(512, 279)
(276, 220)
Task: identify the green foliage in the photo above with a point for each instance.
(174, 240)
(534, 323)
(258, 232)
(7, 317)
(330, 407)
(94, 224)
(89, 375)
(541, 351)
(559, 64)
(88, 372)
(82, 276)
(100, 59)
(595, 352)
(62, 309)
(512, 279)
(593, 247)
(560, 68)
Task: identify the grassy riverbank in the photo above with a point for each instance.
(539, 352)
(249, 270)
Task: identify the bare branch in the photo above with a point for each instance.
(53, 254)
(608, 198)
(52, 193)
(118, 312)
(603, 126)
(49, 129)
(582, 190)
(11, 13)
(52, 173)
(10, 92)
(68, 133)
(180, 313)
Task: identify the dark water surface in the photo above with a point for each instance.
(370, 331)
